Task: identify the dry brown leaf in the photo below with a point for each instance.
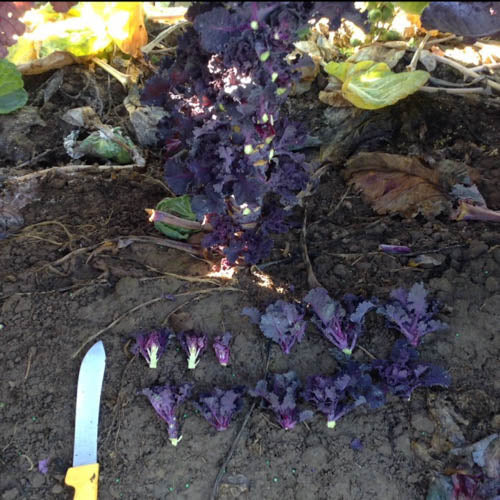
(397, 184)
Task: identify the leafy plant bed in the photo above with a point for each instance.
(59, 286)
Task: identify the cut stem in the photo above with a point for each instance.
(159, 216)
(473, 212)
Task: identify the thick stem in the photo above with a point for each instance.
(159, 216)
(473, 212)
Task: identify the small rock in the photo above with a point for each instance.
(495, 422)
(402, 444)
(496, 255)
(493, 238)
(414, 478)
(476, 248)
(422, 423)
(492, 459)
(456, 254)
(491, 284)
(341, 271)
(315, 455)
(441, 284)
(492, 305)
(37, 481)
(10, 494)
(57, 489)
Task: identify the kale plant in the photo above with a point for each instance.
(226, 141)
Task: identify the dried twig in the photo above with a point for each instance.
(71, 169)
(445, 83)
(192, 279)
(312, 281)
(121, 77)
(164, 34)
(460, 91)
(414, 60)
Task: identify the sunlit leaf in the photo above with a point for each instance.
(125, 24)
(371, 85)
(12, 93)
(412, 7)
(86, 29)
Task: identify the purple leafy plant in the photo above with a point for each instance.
(221, 348)
(152, 345)
(329, 396)
(340, 325)
(225, 141)
(412, 313)
(279, 393)
(194, 345)
(219, 406)
(284, 324)
(165, 400)
(403, 373)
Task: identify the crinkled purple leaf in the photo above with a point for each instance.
(253, 314)
(216, 28)
(328, 395)
(279, 393)
(165, 400)
(468, 19)
(335, 11)
(284, 324)
(177, 176)
(403, 373)
(152, 345)
(194, 345)
(342, 328)
(219, 406)
(412, 313)
(221, 348)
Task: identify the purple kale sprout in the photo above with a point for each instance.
(152, 345)
(194, 345)
(279, 394)
(403, 373)
(412, 313)
(329, 396)
(219, 406)
(284, 324)
(340, 325)
(165, 400)
(221, 348)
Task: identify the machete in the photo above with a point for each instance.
(84, 475)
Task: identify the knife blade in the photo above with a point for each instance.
(84, 475)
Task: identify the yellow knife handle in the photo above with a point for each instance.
(84, 479)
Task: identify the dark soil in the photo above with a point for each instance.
(51, 306)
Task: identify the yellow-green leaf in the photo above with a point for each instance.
(412, 7)
(371, 85)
